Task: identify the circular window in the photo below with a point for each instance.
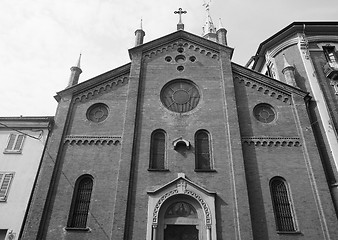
(180, 68)
(264, 113)
(180, 96)
(168, 58)
(180, 58)
(97, 112)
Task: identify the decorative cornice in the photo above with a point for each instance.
(295, 40)
(182, 43)
(267, 90)
(92, 140)
(272, 141)
(106, 86)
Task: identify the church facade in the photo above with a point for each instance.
(182, 143)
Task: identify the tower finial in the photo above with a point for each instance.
(75, 73)
(209, 30)
(289, 73)
(220, 25)
(139, 35)
(180, 25)
(78, 61)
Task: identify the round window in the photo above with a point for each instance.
(97, 112)
(264, 113)
(180, 96)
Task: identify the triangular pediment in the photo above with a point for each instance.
(181, 184)
(184, 39)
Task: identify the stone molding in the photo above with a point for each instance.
(101, 88)
(272, 141)
(92, 140)
(177, 191)
(295, 40)
(184, 44)
(267, 90)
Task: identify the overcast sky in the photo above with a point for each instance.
(41, 39)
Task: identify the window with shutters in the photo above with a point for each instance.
(5, 183)
(157, 150)
(80, 203)
(15, 142)
(282, 205)
(202, 151)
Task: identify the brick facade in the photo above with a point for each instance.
(245, 153)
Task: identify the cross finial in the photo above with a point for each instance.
(180, 25)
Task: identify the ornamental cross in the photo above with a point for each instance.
(180, 12)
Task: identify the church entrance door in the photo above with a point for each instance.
(181, 232)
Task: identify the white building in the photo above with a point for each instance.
(22, 143)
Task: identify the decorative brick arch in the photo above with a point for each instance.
(198, 198)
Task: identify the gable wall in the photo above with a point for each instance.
(209, 115)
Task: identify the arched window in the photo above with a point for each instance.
(202, 150)
(282, 205)
(157, 150)
(80, 204)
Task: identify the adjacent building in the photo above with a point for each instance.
(304, 55)
(22, 143)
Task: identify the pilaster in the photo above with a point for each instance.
(125, 168)
(38, 213)
(241, 210)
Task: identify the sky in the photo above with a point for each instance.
(41, 39)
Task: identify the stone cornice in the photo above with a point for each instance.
(109, 84)
(272, 141)
(92, 140)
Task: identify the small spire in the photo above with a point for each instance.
(289, 73)
(75, 73)
(139, 35)
(78, 61)
(220, 25)
(209, 29)
(286, 64)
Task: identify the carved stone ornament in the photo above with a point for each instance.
(181, 141)
(303, 45)
(181, 188)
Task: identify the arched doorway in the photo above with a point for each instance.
(181, 222)
(181, 218)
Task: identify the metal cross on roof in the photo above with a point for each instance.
(180, 12)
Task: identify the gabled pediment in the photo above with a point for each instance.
(181, 184)
(266, 85)
(184, 39)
